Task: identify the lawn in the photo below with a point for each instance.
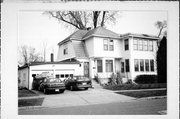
(26, 93)
(30, 102)
(141, 94)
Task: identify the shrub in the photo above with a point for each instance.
(146, 79)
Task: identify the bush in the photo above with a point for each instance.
(146, 79)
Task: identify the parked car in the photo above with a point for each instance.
(78, 82)
(47, 84)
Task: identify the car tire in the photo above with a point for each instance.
(86, 88)
(71, 88)
(61, 91)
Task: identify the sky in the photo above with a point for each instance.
(36, 29)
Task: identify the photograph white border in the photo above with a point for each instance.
(9, 17)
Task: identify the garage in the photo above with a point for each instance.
(61, 70)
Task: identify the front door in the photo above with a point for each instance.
(86, 69)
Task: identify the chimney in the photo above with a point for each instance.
(52, 57)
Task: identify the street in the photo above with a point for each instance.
(136, 107)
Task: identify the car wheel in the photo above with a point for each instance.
(71, 88)
(61, 91)
(85, 88)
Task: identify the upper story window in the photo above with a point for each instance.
(150, 45)
(111, 45)
(140, 45)
(145, 43)
(65, 49)
(99, 66)
(126, 44)
(105, 44)
(135, 44)
(109, 65)
(108, 44)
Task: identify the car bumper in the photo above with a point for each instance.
(84, 86)
(56, 88)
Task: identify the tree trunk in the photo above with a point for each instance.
(102, 22)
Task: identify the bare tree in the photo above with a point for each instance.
(82, 20)
(161, 25)
(28, 55)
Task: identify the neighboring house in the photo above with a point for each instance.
(102, 52)
(60, 70)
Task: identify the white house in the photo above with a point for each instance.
(102, 52)
(60, 70)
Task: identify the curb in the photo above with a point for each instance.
(30, 107)
(150, 98)
(139, 90)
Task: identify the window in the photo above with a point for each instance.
(150, 45)
(140, 46)
(145, 45)
(141, 65)
(135, 43)
(147, 65)
(122, 67)
(152, 65)
(65, 51)
(62, 75)
(109, 66)
(33, 75)
(111, 45)
(127, 65)
(126, 44)
(106, 44)
(66, 75)
(99, 66)
(57, 75)
(136, 65)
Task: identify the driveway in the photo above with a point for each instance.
(83, 97)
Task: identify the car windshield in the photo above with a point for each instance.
(52, 80)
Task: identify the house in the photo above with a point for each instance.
(62, 69)
(102, 52)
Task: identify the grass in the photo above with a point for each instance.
(135, 86)
(30, 102)
(141, 94)
(26, 93)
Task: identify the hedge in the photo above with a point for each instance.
(146, 79)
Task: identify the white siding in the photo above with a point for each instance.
(90, 46)
(70, 54)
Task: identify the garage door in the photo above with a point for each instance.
(64, 73)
